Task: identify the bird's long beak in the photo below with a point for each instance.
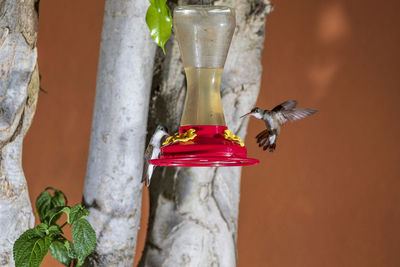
(167, 134)
(246, 115)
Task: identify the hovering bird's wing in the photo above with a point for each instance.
(296, 114)
(147, 157)
(291, 104)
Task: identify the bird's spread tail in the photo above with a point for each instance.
(267, 139)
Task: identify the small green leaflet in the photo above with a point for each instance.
(54, 214)
(84, 239)
(30, 248)
(43, 202)
(42, 229)
(55, 230)
(58, 199)
(159, 21)
(60, 252)
(70, 249)
(77, 212)
(46, 202)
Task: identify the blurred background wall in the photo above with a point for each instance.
(329, 195)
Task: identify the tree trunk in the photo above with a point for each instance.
(194, 211)
(113, 189)
(19, 86)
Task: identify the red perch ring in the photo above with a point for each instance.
(208, 149)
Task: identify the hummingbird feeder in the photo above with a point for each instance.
(204, 34)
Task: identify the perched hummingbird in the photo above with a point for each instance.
(275, 118)
(153, 152)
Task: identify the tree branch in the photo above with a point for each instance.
(19, 86)
(113, 189)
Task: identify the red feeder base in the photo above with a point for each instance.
(208, 149)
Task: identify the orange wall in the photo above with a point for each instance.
(329, 196)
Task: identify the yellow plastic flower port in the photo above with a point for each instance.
(228, 135)
(183, 137)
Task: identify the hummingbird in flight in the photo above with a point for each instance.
(153, 152)
(274, 119)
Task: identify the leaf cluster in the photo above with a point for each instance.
(33, 245)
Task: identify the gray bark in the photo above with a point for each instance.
(194, 211)
(113, 189)
(19, 86)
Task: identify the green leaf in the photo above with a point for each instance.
(58, 199)
(55, 214)
(46, 202)
(70, 248)
(80, 262)
(77, 212)
(55, 230)
(60, 252)
(84, 238)
(42, 229)
(30, 248)
(43, 202)
(159, 21)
